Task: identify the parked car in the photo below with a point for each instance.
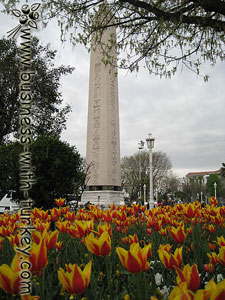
(7, 205)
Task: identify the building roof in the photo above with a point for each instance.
(203, 173)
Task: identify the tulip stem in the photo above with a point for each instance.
(108, 274)
(139, 284)
(43, 284)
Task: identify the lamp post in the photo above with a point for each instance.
(156, 195)
(140, 147)
(215, 185)
(197, 196)
(150, 143)
(144, 186)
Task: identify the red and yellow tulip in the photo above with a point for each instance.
(190, 210)
(178, 234)
(212, 258)
(60, 201)
(10, 276)
(29, 297)
(100, 246)
(213, 201)
(190, 276)
(55, 214)
(38, 257)
(221, 241)
(181, 292)
(74, 280)
(221, 256)
(135, 259)
(59, 245)
(170, 260)
(210, 268)
(49, 237)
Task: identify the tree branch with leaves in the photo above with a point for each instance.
(165, 34)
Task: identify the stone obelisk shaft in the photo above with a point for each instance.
(103, 140)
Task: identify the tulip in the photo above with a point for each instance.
(41, 226)
(181, 292)
(40, 214)
(189, 230)
(190, 276)
(221, 241)
(55, 214)
(63, 226)
(7, 231)
(212, 291)
(99, 246)
(29, 297)
(83, 227)
(14, 239)
(212, 246)
(213, 201)
(133, 239)
(59, 245)
(70, 216)
(65, 210)
(207, 292)
(177, 234)
(49, 237)
(212, 228)
(1, 242)
(72, 230)
(10, 276)
(38, 257)
(125, 240)
(118, 228)
(210, 268)
(134, 260)
(169, 260)
(74, 280)
(221, 256)
(212, 258)
(163, 232)
(105, 227)
(166, 247)
(219, 293)
(60, 202)
(190, 210)
(107, 216)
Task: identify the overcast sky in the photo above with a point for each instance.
(185, 114)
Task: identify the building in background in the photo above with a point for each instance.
(195, 186)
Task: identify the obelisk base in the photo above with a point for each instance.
(102, 198)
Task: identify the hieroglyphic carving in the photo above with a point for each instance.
(114, 119)
(96, 121)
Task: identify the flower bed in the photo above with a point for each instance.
(119, 253)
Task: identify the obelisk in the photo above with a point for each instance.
(103, 137)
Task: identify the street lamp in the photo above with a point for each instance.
(144, 186)
(215, 185)
(150, 143)
(156, 195)
(140, 147)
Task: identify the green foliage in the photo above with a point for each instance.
(167, 35)
(59, 170)
(210, 185)
(130, 168)
(9, 167)
(223, 170)
(49, 117)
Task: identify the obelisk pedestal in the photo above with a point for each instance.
(103, 139)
